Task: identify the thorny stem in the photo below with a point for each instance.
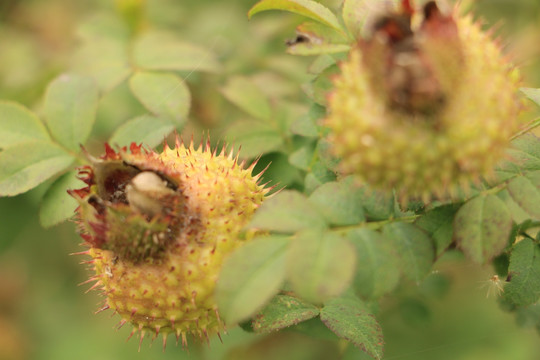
(495, 189)
(532, 125)
(375, 225)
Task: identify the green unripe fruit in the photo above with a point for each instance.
(423, 111)
(159, 226)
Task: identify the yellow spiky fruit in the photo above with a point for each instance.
(159, 226)
(424, 110)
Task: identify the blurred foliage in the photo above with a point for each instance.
(43, 315)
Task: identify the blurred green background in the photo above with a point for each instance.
(45, 315)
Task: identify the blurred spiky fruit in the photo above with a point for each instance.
(423, 110)
(159, 226)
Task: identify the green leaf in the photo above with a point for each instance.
(321, 33)
(164, 94)
(321, 85)
(326, 157)
(25, 166)
(524, 271)
(482, 227)
(377, 205)
(349, 318)
(355, 13)
(415, 249)
(280, 171)
(307, 8)
(303, 157)
(283, 311)
(377, 268)
(70, 109)
(525, 191)
(145, 129)
(243, 92)
(19, 125)
(532, 94)
(525, 154)
(105, 60)
(305, 126)
(164, 51)
(320, 63)
(250, 277)
(57, 204)
(314, 48)
(339, 202)
(255, 137)
(518, 214)
(319, 175)
(320, 265)
(287, 212)
(315, 39)
(438, 223)
(286, 112)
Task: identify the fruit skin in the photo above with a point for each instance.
(425, 152)
(158, 266)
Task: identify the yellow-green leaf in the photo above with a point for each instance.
(105, 60)
(340, 202)
(250, 277)
(164, 51)
(57, 204)
(307, 8)
(320, 265)
(164, 94)
(145, 129)
(25, 166)
(525, 191)
(70, 109)
(287, 212)
(19, 125)
(243, 92)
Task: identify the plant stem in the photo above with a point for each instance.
(375, 225)
(531, 126)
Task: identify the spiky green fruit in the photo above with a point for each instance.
(423, 110)
(159, 226)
